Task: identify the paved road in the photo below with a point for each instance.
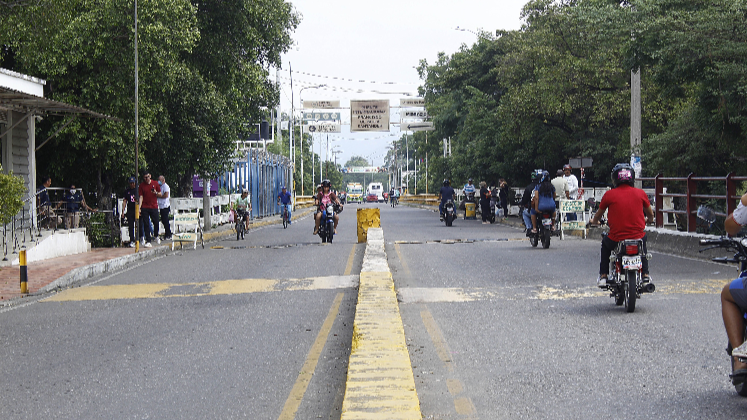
(498, 329)
(214, 333)
(261, 329)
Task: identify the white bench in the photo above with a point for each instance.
(187, 229)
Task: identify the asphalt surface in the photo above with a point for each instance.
(500, 330)
(495, 329)
(184, 354)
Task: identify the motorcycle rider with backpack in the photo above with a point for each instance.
(628, 212)
(526, 200)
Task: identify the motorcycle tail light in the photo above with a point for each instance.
(631, 249)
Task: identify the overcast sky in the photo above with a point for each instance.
(379, 42)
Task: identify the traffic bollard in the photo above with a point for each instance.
(24, 273)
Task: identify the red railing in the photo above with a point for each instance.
(691, 196)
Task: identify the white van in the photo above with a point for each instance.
(376, 188)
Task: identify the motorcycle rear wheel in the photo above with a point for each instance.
(629, 291)
(533, 239)
(330, 233)
(546, 239)
(449, 220)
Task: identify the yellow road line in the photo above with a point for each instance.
(402, 259)
(349, 266)
(442, 349)
(307, 371)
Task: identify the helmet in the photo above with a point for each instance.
(545, 176)
(469, 180)
(282, 187)
(537, 174)
(446, 182)
(326, 183)
(622, 173)
(132, 180)
(566, 166)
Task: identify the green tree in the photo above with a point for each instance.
(357, 161)
(11, 196)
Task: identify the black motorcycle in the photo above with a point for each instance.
(544, 231)
(625, 281)
(449, 214)
(739, 246)
(327, 222)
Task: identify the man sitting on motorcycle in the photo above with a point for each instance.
(325, 197)
(243, 207)
(392, 197)
(734, 300)
(469, 190)
(543, 200)
(446, 194)
(626, 207)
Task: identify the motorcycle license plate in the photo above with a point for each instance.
(632, 262)
(547, 222)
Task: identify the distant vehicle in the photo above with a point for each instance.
(376, 188)
(355, 192)
(372, 198)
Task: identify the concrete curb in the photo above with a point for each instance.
(93, 270)
(272, 220)
(380, 383)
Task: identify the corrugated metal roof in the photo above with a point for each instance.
(23, 102)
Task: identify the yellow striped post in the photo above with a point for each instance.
(24, 272)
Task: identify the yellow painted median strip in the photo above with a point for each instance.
(380, 383)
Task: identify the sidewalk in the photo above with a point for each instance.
(63, 271)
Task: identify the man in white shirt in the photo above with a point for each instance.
(164, 207)
(572, 182)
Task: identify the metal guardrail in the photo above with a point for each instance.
(691, 196)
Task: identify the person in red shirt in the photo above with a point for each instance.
(149, 192)
(626, 207)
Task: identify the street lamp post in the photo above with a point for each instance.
(300, 92)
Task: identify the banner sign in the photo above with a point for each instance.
(369, 115)
(323, 128)
(419, 114)
(321, 116)
(415, 102)
(572, 206)
(321, 104)
(574, 225)
(362, 169)
(416, 126)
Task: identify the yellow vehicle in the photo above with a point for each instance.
(355, 192)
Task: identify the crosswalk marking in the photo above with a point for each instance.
(211, 288)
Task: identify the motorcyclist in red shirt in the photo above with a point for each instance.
(626, 207)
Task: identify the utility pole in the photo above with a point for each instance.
(635, 120)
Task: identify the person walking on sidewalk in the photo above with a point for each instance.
(164, 207)
(149, 190)
(128, 208)
(503, 195)
(485, 203)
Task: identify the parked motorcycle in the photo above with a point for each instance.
(625, 281)
(544, 231)
(449, 214)
(327, 223)
(739, 246)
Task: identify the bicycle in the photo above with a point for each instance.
(240, 225)
(286, 220)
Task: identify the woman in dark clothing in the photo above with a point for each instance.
(485, 202)
(503, 196)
